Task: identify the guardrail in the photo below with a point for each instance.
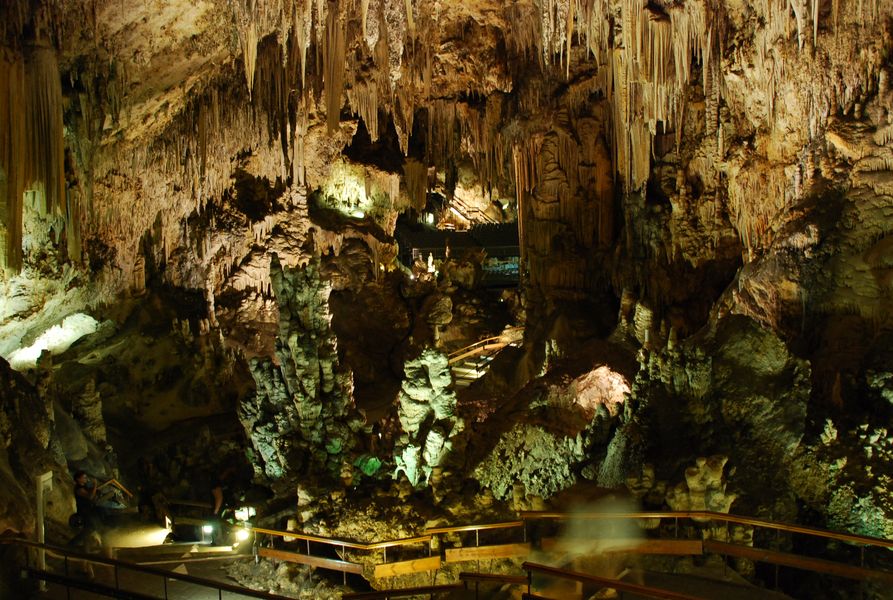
(654, 546)
(496, 342)
(68, 580)
(384, 569)
(779, 559)
(433, 538)
(428, 590)
(705, 516)
(601, 582)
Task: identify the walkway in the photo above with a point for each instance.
(471, 362)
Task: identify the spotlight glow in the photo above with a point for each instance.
(122, 537)
(207, 529)
(242, 535)
(245, 513)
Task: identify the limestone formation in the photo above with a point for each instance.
(427, 414)
(87, 409)
(302, 416)
(704, 488)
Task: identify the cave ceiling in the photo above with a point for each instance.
(724, 113)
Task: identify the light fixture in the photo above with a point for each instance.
(244, 513)
(207, 529)
(242, 534)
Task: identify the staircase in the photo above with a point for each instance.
(468, 364)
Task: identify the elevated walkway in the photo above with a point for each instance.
(526, 539)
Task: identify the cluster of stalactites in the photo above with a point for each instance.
(32, 152)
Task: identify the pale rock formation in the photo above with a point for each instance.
(529, 455)
(427, 414)
(24, 456)
(704, 488)
(87, 410)
(302, 416)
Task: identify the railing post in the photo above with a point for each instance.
(44, 484)
(675, 527)
(343, 573)
(861, 564)
(165, 587)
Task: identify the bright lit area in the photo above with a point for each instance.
(55, 340)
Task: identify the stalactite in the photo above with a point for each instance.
(525, 36)
(12, 155)
(246, 20)
(752, 219)
(410, 20)
(404, 115)
(302, 32)
(364, 14)
(569, 37)
(299, 169)
(45, 152)
(363, 98)
(202, 138)
(416, 177)
(815, 23)
(334, 51)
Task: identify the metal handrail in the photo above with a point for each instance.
(504, 336)
(116, 563)
(494, 578)
(506, 525)
(341, 543)
(397, 593)
(715, 516)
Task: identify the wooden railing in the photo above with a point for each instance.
(426, 560)
(796, 561)
(653, 546)
(705, 516)
(497, 342)
(428, 590)
(119, 591)
(384, 569)
(602, 582)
